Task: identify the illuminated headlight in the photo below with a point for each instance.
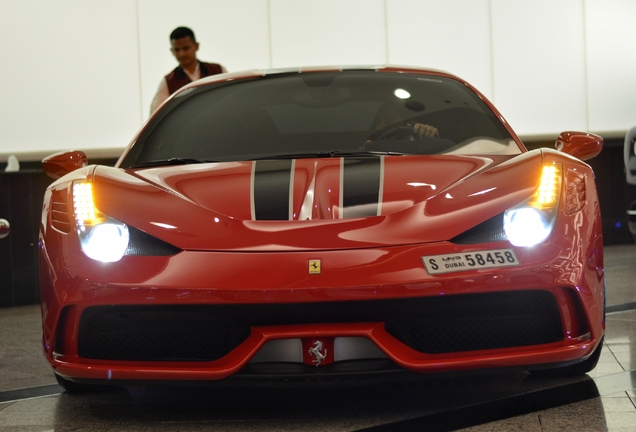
(102, 238)
(531, 222)
(527, 226)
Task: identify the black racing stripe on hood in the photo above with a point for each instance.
(361, 187)
(271, 189)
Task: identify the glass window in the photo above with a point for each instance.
(323, 113)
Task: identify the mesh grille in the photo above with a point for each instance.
(438, 324)
(157, 334)
(486, 232)
(480, 322)
(144, 244)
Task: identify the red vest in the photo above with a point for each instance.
(178, 78)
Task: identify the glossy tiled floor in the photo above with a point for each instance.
(603, 400)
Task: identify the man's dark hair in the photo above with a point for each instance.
(181, 32)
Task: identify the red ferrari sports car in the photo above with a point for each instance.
(325, 224)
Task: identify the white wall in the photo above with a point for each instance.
(611, 63)
(327, 32)
(81, 74)
(451, 35)
(69, 75)
(539, 64)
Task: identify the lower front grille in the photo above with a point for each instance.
(157, 334)
(479, 322)
(440, 324)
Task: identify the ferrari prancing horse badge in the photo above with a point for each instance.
(314, 266)
(318, 352)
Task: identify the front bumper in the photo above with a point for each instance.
(358, 294)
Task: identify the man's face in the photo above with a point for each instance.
(185, 51)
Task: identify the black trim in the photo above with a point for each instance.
(491, 230)
(141, 243)
(291, 375)
(361, 187)
(271, 189)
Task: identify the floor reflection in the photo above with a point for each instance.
(433, 404)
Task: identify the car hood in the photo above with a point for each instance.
(316, 204)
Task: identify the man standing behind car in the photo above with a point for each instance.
(184, 47)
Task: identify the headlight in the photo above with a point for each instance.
(531, 222)
(102, 238)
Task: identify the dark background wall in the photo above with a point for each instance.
(21, 204)
(613, 192)
(21, 196)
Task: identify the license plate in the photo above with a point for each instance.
(457, 262)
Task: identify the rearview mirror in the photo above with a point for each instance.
(581, 145)
(59, 164)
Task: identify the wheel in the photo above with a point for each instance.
(576, 369)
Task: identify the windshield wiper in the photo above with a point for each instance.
(329, 154)
(340, 153)
(317, 155)
(171, 161)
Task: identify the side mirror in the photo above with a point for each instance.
(4, 228)
(581, 145)
(59, 164)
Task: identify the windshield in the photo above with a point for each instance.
(323, 114)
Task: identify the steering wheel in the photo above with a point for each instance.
(402, 133)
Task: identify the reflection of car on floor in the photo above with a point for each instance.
(629, 155)
(326, 224)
